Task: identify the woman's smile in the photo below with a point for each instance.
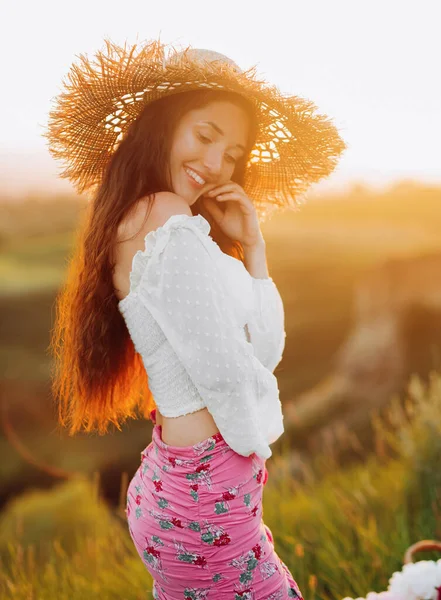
(194, 178)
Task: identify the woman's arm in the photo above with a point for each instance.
(266, 327)
(255, 260)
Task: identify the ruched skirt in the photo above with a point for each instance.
(195, 516)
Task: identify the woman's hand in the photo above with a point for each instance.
(237, 217)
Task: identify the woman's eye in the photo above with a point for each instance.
(204, 139)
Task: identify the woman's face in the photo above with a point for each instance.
(206, 144)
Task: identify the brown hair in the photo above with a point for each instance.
(99, 378)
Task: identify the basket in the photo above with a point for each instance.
(423, 545)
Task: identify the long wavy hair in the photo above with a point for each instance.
(98, 378)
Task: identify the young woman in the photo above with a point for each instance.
(169, 306)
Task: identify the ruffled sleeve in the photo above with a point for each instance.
(266, 326)
(177, 279)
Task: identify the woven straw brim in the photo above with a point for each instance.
(295, 145)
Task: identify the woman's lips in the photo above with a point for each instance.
(193, 181)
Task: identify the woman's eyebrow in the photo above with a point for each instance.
(219, 130)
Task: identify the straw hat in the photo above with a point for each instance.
(295, 145)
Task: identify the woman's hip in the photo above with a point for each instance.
(197, 489)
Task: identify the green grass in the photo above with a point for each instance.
(67, 545)
(36, 263)
(341, 531)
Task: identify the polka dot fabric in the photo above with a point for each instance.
(220, 343)
(266, 327)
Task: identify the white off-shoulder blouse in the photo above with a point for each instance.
(209, 334)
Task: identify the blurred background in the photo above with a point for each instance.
(358, 266)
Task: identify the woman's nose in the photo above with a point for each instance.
(213, 163)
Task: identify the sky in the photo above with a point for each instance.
(372, 66)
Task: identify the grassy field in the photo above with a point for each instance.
(316, 256)
(342, 532)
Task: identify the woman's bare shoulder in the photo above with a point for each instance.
(166, 205)
(147, 215)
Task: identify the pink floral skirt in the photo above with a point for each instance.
(195, 516)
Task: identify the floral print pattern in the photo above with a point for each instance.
(195, 516)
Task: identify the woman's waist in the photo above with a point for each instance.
(188, 429)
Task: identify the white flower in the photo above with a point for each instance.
(417, 581)
(379, 596)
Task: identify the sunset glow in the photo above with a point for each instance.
(369, 66)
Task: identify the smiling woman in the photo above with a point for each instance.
(206, 145)
(206, 151)
(158, 313)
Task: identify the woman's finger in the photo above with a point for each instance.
(229, 196)
(246, 204)
(215, 211)
(226, 187)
